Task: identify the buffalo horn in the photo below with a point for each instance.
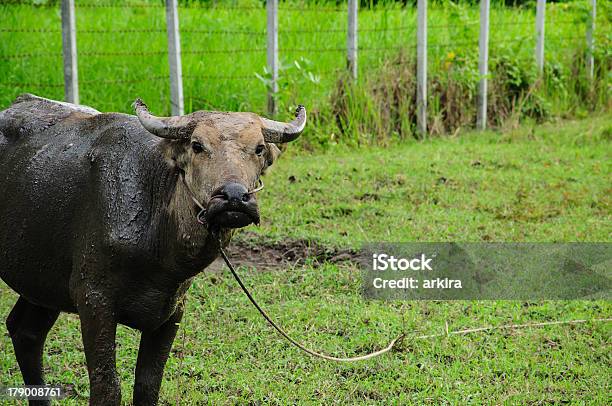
(279, 132)
(164, 127)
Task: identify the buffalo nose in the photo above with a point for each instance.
(235, 193)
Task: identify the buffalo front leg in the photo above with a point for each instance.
(28, 326)
(99, 327)
(152, 356)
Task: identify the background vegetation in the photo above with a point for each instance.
(223, 45)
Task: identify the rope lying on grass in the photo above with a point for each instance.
(397, 340)
(291, 340)
(509, 327)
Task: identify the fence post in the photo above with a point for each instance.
(351, 38)
(272, 54)
(174, 58)
(539, 51)
(421, 97)
(483, 64)
(69, 48)
(590, 41)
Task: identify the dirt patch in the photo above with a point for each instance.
(267, 255)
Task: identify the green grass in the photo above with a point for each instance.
(384, 30)
(548, 183)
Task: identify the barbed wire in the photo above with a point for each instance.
(497, 24)
(226, 51)
(505, 41)
(156, 53)
(134, 30)
(312, 50)
(400, 28)
(568, 22)
(115, 5)
(37, 85)
(511, 23)
(87, 82)
(387, 48)
(314, 9)
(121, 53)
(413, 46)
(160, 7)
(32, 55)
(230, 32)
(209, 32)
(221, 77)
(223, 32)
(200, 31)
(310, 31)
(206, 7)
(452, 44)
(530, 38)
(436, 26)
(549, 23)
(125, 81)
(122, 31)
(29, 30)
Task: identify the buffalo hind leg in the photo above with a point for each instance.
(152, 356)
(28, 326)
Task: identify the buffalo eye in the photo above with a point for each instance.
(197, 147)
(260, 149)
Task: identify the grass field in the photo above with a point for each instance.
(224, 48)
(545, 183)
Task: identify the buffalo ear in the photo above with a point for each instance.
(272, 153)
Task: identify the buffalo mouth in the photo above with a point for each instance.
(231, 214)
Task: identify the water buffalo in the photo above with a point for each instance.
(99, 216)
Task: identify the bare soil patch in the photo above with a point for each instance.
(274, 255)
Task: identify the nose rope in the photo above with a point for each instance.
(257, 189)
(202, 212)
(191, 194)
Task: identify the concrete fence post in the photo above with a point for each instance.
(272, 53)
(590, 40)
(174, 58)
(351, 38)
(421, 97)
(539, 50)
(483, 64)
(69, 49)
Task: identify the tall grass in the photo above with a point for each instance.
(378, 108)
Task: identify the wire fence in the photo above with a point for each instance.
(376, 43)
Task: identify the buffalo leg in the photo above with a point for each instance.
(99, 327)
(28, 326)
(152, 356)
